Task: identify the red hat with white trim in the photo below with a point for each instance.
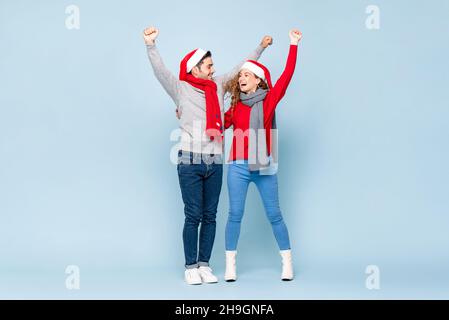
(195, 58)
(259, 70)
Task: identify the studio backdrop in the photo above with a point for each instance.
(88, 190)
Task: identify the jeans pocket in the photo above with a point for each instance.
(185, 168)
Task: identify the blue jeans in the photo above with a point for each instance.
(200, 178)
(239, 178)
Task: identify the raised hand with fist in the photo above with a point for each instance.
(150, 34)
(295, 36)
(266, 41)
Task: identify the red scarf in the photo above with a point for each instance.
(214, 126)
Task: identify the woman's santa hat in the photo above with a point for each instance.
(259, 70)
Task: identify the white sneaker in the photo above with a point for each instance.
(206, 275)
(192, 276)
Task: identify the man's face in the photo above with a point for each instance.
(206, 69)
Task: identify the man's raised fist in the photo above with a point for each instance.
(150, 34)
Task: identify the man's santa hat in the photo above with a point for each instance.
(259, 70)
(195, 58)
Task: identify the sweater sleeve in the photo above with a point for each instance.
(228, 118)
(168, 81)
(279, 89)
(255, 55)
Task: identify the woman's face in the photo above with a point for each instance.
(248, 82)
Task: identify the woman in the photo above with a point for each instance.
(253, 152)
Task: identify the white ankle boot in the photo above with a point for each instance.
(230, 273)
(287, 265)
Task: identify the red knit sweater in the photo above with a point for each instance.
(239, 119)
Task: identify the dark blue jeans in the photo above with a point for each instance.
(200, 178)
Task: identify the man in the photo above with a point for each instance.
(199, 97)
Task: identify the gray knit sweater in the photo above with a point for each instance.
(192, 103)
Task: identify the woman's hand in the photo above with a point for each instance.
(295, 36)
(150, 34)
(266, 41)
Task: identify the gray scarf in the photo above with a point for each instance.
(257, 153)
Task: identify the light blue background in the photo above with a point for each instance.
(85, 176)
